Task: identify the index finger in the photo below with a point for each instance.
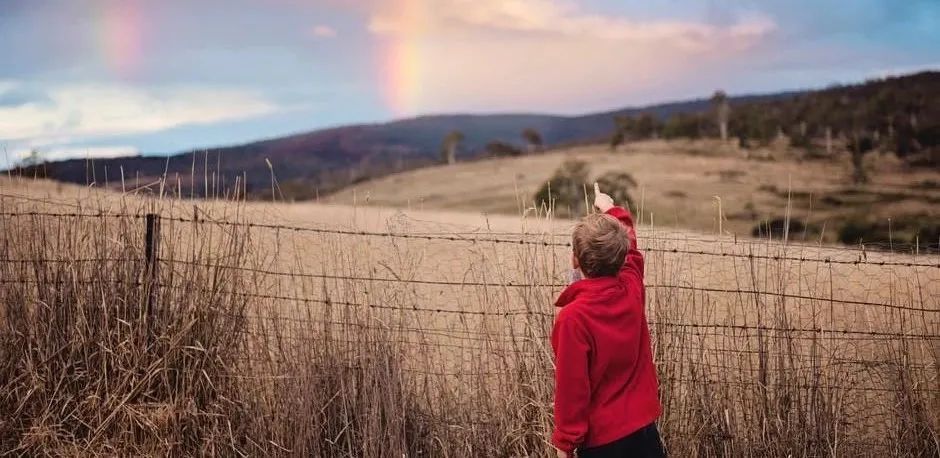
(597, 189)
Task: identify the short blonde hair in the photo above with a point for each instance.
(600, 244)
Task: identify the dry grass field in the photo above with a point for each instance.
(361, 330)
(676, 184)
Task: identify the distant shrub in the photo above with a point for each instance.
(928, 235)
(928, 136)
(564, 191)
(903, 234)
(617, 139)
(854, 232)
(927, 184)
(502, 149)
(800, 141)
(683, 125)
(628, 128)
(743, 142)
(922, 231)
(815, 152)
(859, 145)
(569, 192)
(617, 185)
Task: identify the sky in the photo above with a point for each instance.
(99, 78)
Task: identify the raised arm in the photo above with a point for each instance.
(634, 259)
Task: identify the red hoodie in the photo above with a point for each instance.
(605, 380)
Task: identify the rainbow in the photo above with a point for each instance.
(119, 36)
(401, 58)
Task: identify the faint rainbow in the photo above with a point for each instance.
(402, 58)
(119, 36)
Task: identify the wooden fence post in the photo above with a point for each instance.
(151, 255)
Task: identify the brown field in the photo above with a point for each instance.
(677, 184)
(336, 330)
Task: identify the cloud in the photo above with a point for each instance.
(65, 152)
(495, 55)
(323, 31)
(82, 111)
(441, 17)
(19, 153)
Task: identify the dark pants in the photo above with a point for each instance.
(644, 443)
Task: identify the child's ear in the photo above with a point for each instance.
(574, 261)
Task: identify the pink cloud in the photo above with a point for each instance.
(449, 17)
(323, 31)
(492, 55)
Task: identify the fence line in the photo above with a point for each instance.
(733, 240)
(823, 332)
(482, 313)
(820, 331)
(562, 285)
(510, 284)
(859, 261)
(703, 335)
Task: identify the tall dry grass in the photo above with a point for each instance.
(255, 341)
(97, 359)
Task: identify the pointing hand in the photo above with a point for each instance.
(602, 201)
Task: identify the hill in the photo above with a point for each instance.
(890, 114)
(679, 184)
(331, 158)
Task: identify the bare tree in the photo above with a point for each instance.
(449, 149)
(722, 112)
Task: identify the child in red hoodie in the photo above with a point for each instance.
(606, 392)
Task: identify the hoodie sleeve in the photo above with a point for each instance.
(634, 260)
(572, 382)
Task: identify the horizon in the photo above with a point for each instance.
(199, 148)
(113, 82)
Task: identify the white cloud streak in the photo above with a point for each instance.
(92, 152)
(81, 111)
(11, 158)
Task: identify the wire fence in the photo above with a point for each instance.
(654, 246)
(748, 317)
(855, 256)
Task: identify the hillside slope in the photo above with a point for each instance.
(334, 157)
(894, 114)
(677, 185)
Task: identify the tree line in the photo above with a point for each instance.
(890, 115)
(497, 148)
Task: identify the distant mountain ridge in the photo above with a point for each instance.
(328, 159)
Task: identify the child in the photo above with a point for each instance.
(606, 400)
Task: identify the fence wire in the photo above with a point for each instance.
(747, 317)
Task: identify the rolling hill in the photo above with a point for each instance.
(679, 184)
(331, 158)
(892, 114)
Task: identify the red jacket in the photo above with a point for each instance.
(605, 380)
